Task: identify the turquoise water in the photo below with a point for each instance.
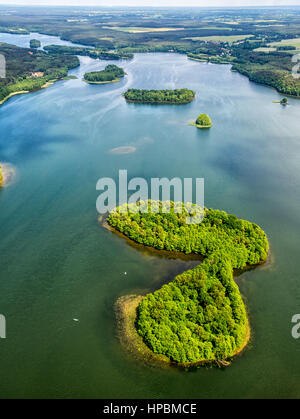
(58, 263)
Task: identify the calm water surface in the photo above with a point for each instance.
(57, 263)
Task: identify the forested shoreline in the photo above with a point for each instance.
(28, 70)
(251, 41)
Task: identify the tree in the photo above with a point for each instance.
(203, 121)
(284, 101)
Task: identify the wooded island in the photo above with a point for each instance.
(35, 43)
(112, 73)
(177, 96)
(203, 121)
(199, 316)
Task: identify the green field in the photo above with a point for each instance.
(225, 38)
(265, 49)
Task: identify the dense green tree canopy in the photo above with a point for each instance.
(91, 52)
(177, 96)
(110, 73)
(200, 315)
(204, 120)
(273, 69)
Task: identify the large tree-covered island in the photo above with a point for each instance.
(112, 73)
(177, 96)
(200, 316)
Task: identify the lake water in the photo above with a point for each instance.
(58, 263)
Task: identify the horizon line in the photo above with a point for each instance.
(152, 7)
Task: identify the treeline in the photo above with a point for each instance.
(273, 69)
(203, 121)
(90, 52)
(21, 63)
(110, 73)
(200, 315)
(177, 96)
(282, 81)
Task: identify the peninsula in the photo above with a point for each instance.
(177, 96)
(111, 74)
(200, 316)
(28, 70)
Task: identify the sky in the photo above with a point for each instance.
(154, 3)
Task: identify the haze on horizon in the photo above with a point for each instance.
(153, 3)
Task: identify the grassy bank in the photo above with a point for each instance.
(13, 94)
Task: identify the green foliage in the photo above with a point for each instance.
(286, 48)
(21, 62)
(204, 121)
(200, 315)
(110, 73)
(272, 69)
(284, 101)
(35, 43)
(91, 52)
(177, 96)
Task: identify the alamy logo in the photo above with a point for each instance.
(296, 67)
(143, 193)
(2, 67)
(296, 328)
(2, 327)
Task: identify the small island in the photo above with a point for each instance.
(200, 316)
(1, 177)
(177, 96)
(35, 43)
(7, 174)
(203, 121)
(283, 101)
(111, 74)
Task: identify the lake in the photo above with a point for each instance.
(58, 263)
